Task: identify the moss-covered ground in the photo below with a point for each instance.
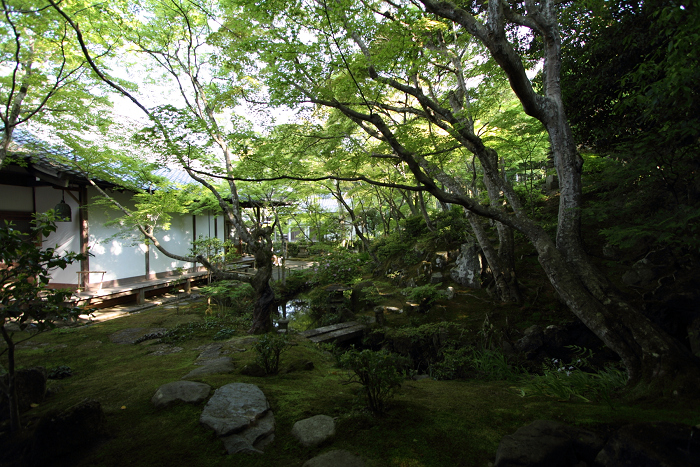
(429, 423)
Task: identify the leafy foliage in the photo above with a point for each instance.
(228, 297)
(339, 266)
(566, 380)
(269, 348)
(378, 372)
(25, 298)
(425, 295)
(210, 328)
(484, 364)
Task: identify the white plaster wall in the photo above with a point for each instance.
(16, 198)
(66, 238)
(177, 240)
(121, 256)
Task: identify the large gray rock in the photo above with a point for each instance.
(467, 270)
(217, 366)
(233, 408)
(652, 444)
(532, 340)
(546, 443)
(314, 431)
(253, 439)
(641, 273)
(336, 458)
(187, 392)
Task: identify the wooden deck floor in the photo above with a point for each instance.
(96, 297)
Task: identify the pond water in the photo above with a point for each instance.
(297, 312)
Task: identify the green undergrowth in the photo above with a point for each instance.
(426, 423)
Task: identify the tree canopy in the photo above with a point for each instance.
(414, 99)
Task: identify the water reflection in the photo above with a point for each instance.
(296, 312)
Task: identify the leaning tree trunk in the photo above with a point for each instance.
(510, 289)
(264, 295)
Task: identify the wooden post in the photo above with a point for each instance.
(84, 279)
(141, 297)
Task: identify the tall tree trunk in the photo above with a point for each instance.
(264, 295)
(424, 212)
(337, 194)
(506, 243)
(408, 197)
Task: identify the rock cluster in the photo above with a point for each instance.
(240, 414)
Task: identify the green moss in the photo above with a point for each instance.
(428, 423)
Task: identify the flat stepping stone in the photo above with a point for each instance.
(314, 431)
(218, 366)
(233, 408)
(176, 392)
(208, 353)
(134, 335)
(164, 349)
(336, 458)
(255, 438)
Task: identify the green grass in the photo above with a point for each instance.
(429, 423)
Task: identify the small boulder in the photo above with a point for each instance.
(335, 458)
(176, 392)
(441, 259)
(218, 366)
(253, 369)
(314, 431)
(532, 340)
(233, 408)
(467, 270)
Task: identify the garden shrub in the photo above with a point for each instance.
(293, 249)
(424, 295)
(209, 328)
(379, 373)
(575, 379)
(228, 297)
(424, 345)
(296, 281)
(269, 348)
(484, 364)
(340, 266)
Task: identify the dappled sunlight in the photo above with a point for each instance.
(97, 248)
(116, 248)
